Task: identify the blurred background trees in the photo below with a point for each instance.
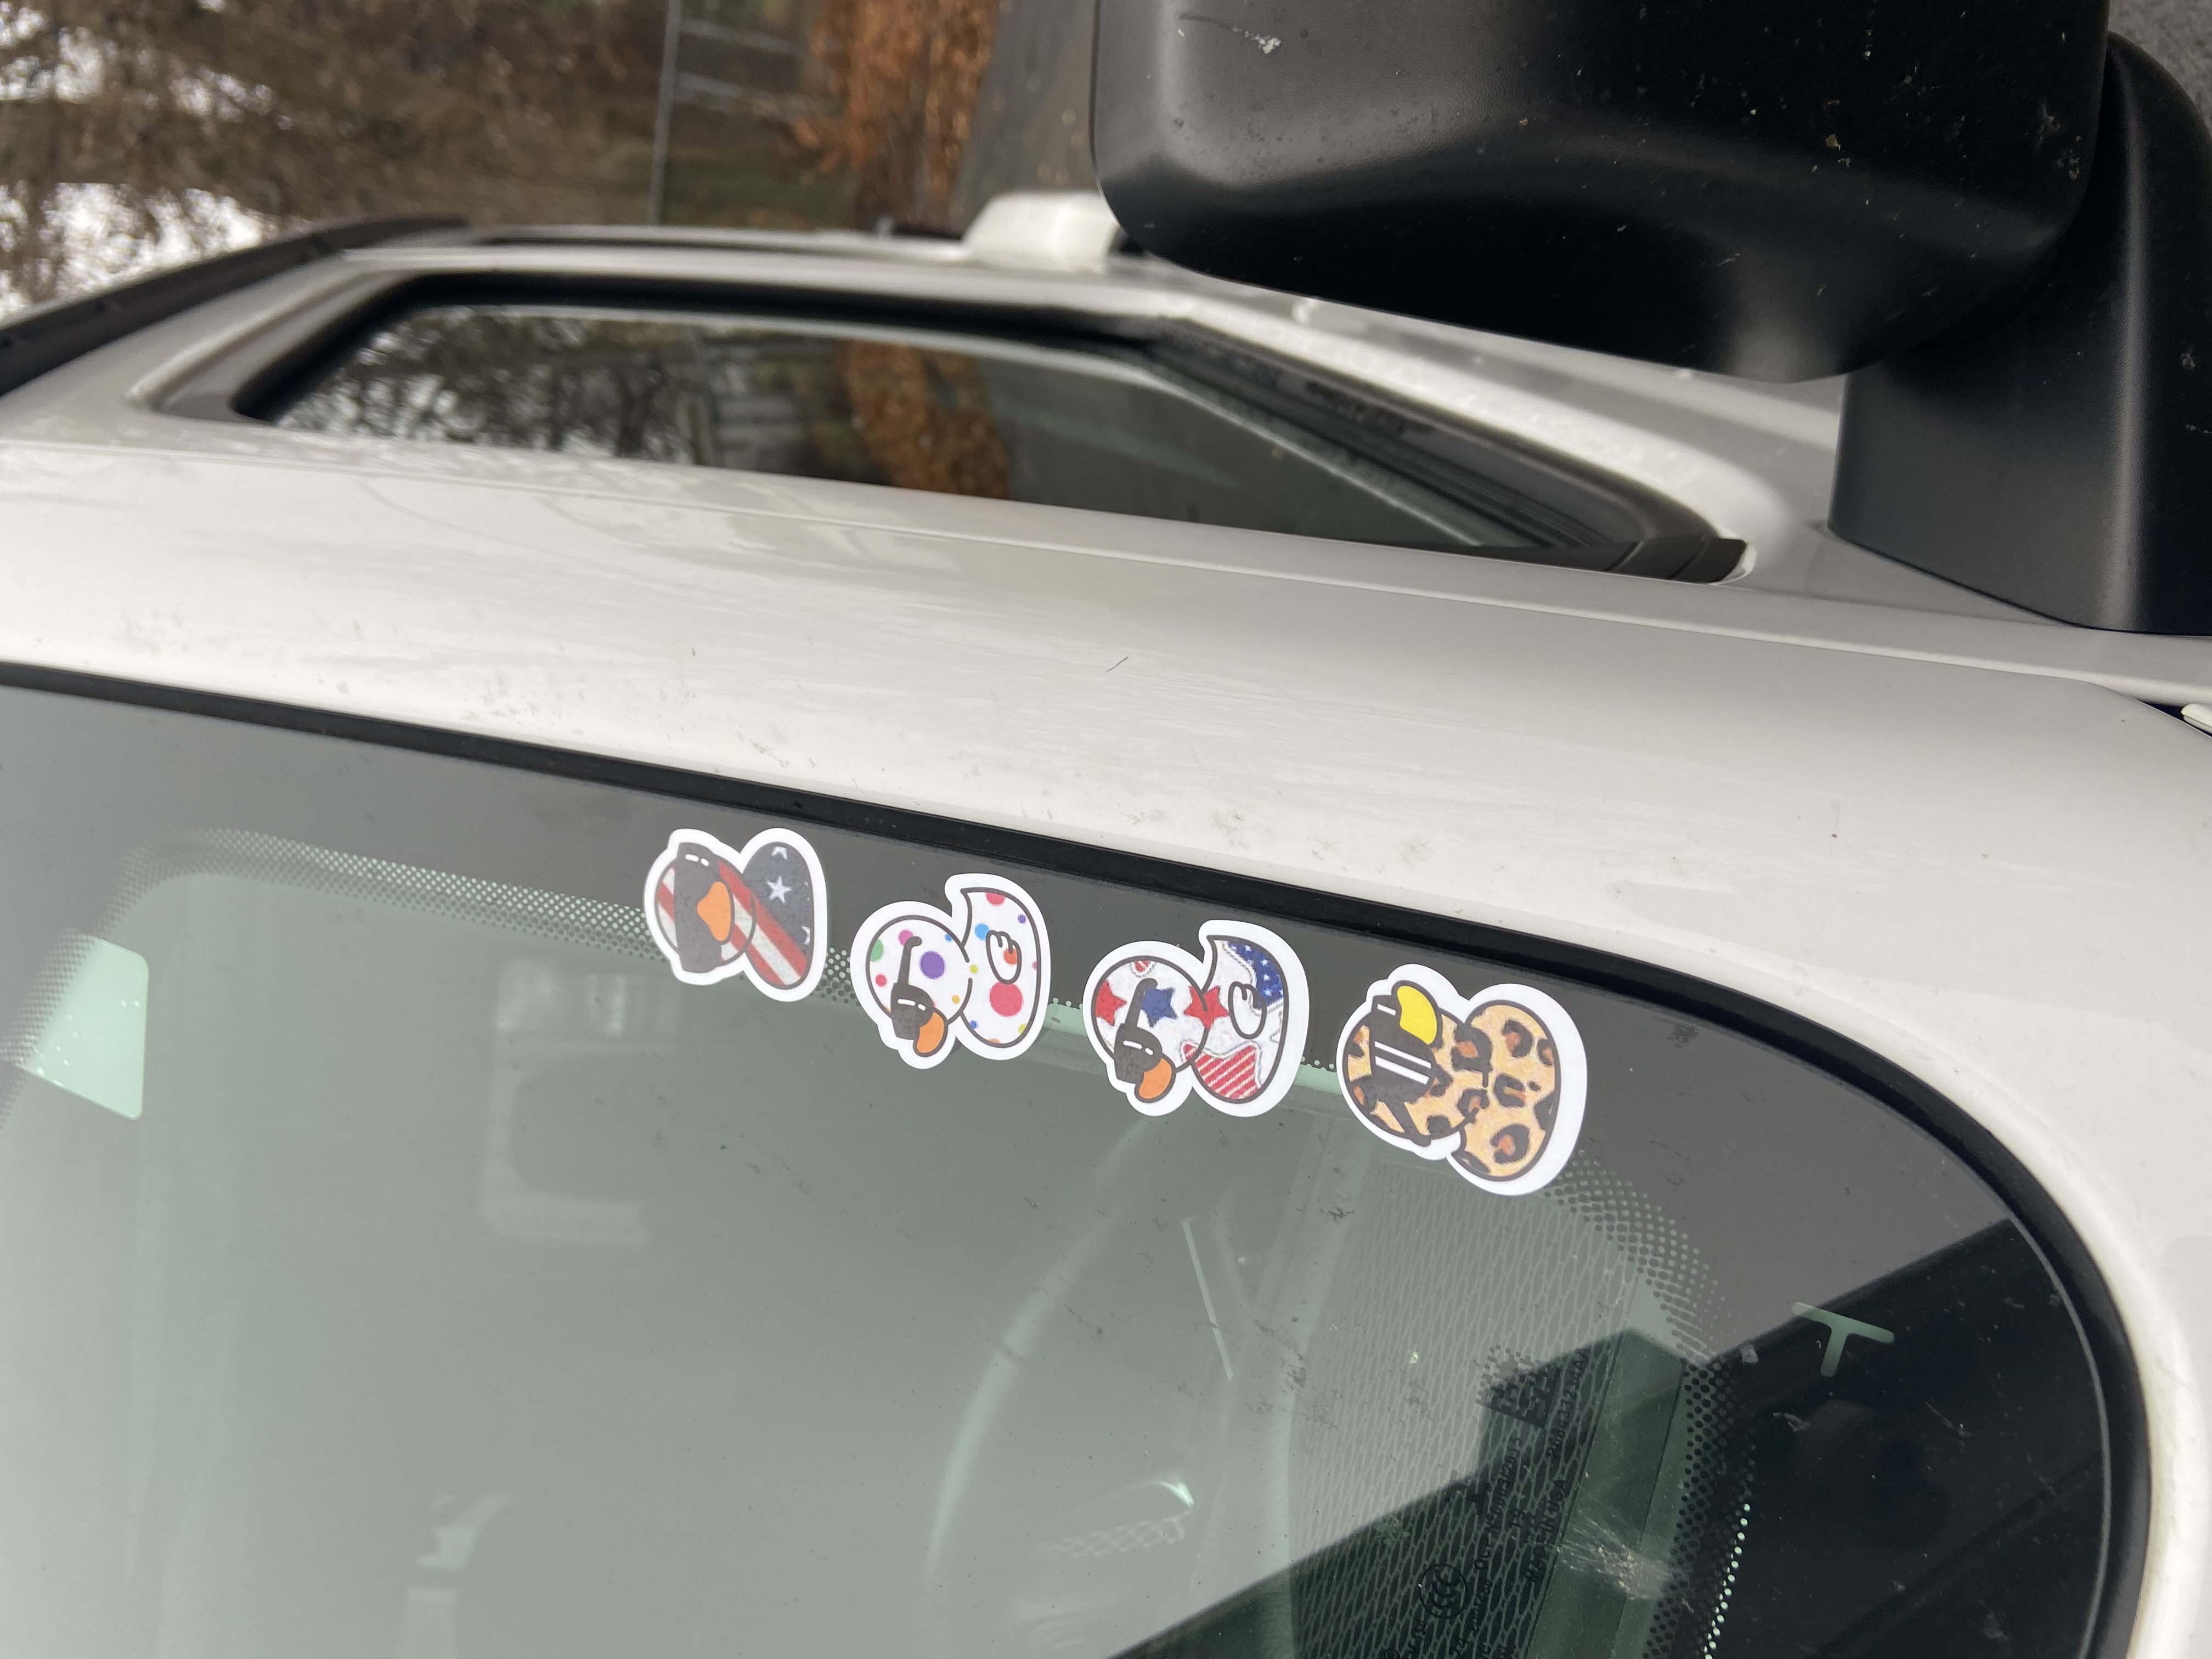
(141, 130)
(206, 123)
(135, 131)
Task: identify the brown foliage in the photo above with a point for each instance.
(925, 418)
(512, 111)
(907, 74)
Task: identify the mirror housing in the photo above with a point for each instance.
(2063, 460)
(1994, 219)
(1778, 192)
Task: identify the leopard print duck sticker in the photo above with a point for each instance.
(1492, 1083)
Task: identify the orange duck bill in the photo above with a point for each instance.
(718, 910)
(1155, 1081)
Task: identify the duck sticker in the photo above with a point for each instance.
(762, 912)
(1232, 1028)
(1492, 1082)
(974, 976)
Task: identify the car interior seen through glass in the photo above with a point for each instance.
(961, 414)
(418, 1237)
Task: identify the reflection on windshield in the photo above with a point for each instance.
(956, 414)
(1540, 1547)
(466, 1284)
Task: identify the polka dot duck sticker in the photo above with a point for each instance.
(1231, 1029)
(719, 912)
(974, 976)
(1492, 1082)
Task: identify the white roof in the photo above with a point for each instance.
(1964, 841)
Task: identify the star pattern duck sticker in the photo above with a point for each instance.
(1231, 1027)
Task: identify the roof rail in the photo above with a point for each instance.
(47, 336)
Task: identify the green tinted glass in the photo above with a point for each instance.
(467, 1282)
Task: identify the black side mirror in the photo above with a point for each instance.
(1776, 191)
(2062, 459)
(1783, 191)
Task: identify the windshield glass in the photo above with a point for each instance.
(961, 414)
(454, 1210)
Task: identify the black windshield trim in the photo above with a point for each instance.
(2104, 1332)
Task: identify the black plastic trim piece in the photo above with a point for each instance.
(1565, 508)
(2104, 1332)
(238, 380)
(1684, 558)
(2063, 461)
(1779, 192)
(47, 336)
(1539, 490)
(1659, 558)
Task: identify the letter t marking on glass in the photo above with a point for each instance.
(1841, 1330)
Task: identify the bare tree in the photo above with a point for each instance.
(177, 115)
(302, 110)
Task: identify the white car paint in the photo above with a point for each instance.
(1953, 834)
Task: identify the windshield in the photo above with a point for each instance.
(453, 1210)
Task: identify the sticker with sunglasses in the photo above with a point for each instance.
(1492, 1082)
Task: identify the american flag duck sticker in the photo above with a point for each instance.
(760, 912)
(1231, 1027)
(974, 976)
(1492, 1083)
